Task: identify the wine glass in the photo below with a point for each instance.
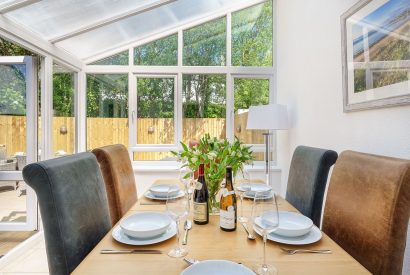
(241, 188)
(187, 178)
(265, 217)
(177, 208)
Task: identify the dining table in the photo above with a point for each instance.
(209, 242)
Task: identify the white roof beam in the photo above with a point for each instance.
(111, 20)
(17, 4)
(34, 43)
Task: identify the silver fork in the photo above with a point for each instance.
(294, 251)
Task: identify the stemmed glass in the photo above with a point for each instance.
(265, 217)
(177, 209)
(187, 178)
(241, 188)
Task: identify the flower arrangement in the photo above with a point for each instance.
(216, 155)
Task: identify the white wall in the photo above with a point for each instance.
(310, 83)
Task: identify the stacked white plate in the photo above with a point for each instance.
(251, 189)
(294, 228)
(160, 192)
(144, 228)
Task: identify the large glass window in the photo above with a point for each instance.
(205, 45)
(117, 59)
(252, 33)
(203, 106)
(107, 110)
(63, 111)
(155, 110)
(162, 52)
(248, 92)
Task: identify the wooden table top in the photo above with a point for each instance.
(210, 242)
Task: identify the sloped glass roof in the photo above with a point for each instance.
(87, 28)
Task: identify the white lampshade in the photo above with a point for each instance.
(268, 117)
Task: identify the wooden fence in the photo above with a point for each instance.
(104, 131)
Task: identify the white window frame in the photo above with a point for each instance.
(133, 116)
(179, 70)
(31, 143)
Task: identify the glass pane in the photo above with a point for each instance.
(13, 206)
(252, 36)
(107, 110)
(147, 156)
(53, 18)
(162, 52)
(63, 111)
(203, 106)
(155, 111)
(117, 59)
(12, 111)
(205, 45)
(249, 92)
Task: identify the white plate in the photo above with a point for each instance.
(151, 196)
(258, 187)
(313, 236)
(292, 224)
(119, 235)
(145, 225)
(216, 267)
(161, 190)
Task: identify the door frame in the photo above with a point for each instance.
(30, 62)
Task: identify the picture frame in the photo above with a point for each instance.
(376, 54)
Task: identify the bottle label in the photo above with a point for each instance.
(226, 192)
(198, 185)
(200, 211)
(227, 218)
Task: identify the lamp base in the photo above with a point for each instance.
(267, 156)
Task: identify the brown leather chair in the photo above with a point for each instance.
(119, 179)
(367, 209)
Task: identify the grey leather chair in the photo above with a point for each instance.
(73, 205)
(308, 174)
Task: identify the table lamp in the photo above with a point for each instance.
(267, 117)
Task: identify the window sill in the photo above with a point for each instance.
(145, 168)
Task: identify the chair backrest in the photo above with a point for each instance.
(308, 174)
(73, 206)
(119, 179)
(367, 209)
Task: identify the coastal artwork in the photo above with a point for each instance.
(376, 37)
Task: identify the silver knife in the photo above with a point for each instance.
(128, 251)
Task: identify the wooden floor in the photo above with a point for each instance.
(9, 239)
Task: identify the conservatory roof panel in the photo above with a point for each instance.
(88, 28)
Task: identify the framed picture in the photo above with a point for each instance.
(376, 54)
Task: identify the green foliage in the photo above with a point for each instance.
(8, 48)
(161, 52)
(250, 92)
(12, 90)
(205, 45)
(155, 97)
(252, 30)
(107, 95)
(216, 155)
(63, 94)
(204, 96)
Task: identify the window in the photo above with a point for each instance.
(205, 45)
(252, 33)
(204, 106)
(63, 111)
(107, 111)
(117, 59)
(248, 92)
(162, 52)
(155, 110)
(175, 100)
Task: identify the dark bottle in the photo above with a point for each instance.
(201, 196)
(227, 212)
